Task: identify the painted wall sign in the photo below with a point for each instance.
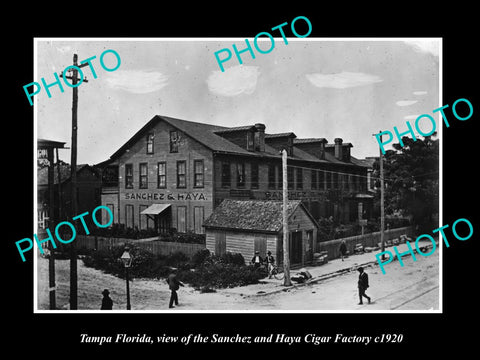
(294, 195)
(165, 196)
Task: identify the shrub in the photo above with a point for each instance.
(221, 275)
(204, 271)
(233, 258)
(199, 257)
(144, 264)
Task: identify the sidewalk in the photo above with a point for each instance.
(335, 267)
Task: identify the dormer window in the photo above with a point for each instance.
(250, 142)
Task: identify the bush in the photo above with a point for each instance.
(144, 264)
(204, 271)
(221, 275)
(199, 257)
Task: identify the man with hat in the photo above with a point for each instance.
(107, 302)
(257, 259)
(174, 284)
(362, 285)
(270, 262)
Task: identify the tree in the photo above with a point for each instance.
(411, 181)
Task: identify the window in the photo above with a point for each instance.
(250, 146)
(198, 173)
(198, 217)
(299, 178)
(162, 175)
(225, 174)
(313, 179)
(150, 143)
(181, 174)
(182, 219)
(328, 179)
(346, 183)
(174, 141)
(240, 174)
(104, 215)
(321, 180)
(143, 176)
(271, 176)
(290, 177)
(128, 176)
(254, 175)
(335, 180)
(129, 216)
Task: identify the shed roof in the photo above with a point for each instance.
(45, 144)
(252, 215)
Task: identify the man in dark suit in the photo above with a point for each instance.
(362, 285)
(174, 284)
(107, 302)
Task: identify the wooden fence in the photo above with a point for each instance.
(152, 244)
(367, 240)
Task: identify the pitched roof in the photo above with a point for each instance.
(206, 134)
(251, 215)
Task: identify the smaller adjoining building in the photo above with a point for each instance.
(89, 184)
(246, 226)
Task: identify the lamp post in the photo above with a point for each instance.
(127, 262)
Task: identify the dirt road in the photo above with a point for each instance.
(413, 287)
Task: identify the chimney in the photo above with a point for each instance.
(321, 150)
(338, 148)
(260, 137)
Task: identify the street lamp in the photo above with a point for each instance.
(127, 262)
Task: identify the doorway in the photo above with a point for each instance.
(296, 247)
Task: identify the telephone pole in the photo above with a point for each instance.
(286, 252)
(382, 203)
(52, 221)
(73, 174)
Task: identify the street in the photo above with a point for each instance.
(413, 287)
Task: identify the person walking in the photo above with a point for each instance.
(174, 284)
(270, 263)
(107, 302)
(343, 249)
(257, 260)
(362, 285)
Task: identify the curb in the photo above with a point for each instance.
(327, 276)
(314, 280)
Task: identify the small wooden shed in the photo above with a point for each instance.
(246, 226)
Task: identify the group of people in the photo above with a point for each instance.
(257, 261)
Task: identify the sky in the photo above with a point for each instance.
(314, 87)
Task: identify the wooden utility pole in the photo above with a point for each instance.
(286, 250)
(382, 204)
(52, 221)
(59, 186)
(73, 174)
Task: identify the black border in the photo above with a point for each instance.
(59, 334)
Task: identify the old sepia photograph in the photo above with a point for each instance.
(185, 175)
